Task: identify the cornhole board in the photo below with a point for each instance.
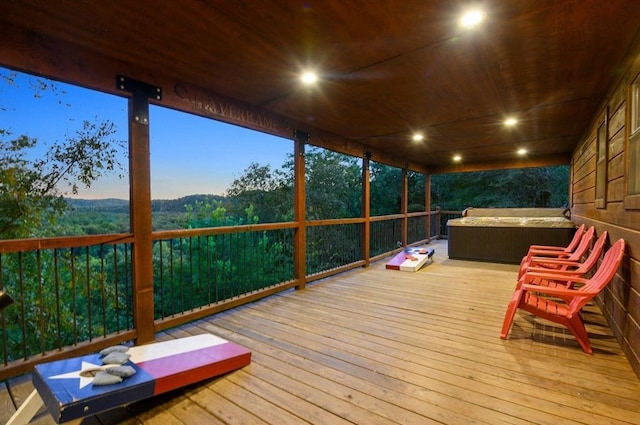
(410, 259)
(69, 394)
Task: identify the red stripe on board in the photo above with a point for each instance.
(175, 371)
(395, 262)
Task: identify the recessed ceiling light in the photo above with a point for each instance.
(457, 158)
(522, 151)
(510, 122)
(309, 77)
(471, 18)
(417, 137)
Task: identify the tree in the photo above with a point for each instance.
(333, 185)
(266, 193)
(526, 187)
(32, 185)
(416, 191)
(386, 185)
(32, 190)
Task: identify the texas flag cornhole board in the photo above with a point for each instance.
(410, 259)
(66, 388)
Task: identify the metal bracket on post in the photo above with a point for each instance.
(301, 136)
(368, 155)
(141, 92)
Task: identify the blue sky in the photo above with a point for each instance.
(189, 154)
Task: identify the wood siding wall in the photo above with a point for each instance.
(620, 302)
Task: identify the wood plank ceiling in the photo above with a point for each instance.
(387, 68)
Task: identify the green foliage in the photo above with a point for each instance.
(333, 246)
(26, 202)
(60, 299)
(205, 214)
(65, 297)
(32, 190)
(386, 185)
(333, 185)
(416, 201)
(527, 187)
(266, 193)
(195, 272)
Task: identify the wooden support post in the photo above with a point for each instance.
(300, 239)
(140, 204)
(366, 208)
(427, 203)
(404, 207)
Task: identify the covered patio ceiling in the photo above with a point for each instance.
(386, 68)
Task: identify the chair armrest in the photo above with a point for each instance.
(557, 291)
(547, 253)
(555, 261)
(546, 248)
(555, 271)
(567, 278)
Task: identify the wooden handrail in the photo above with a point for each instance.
(23, 245)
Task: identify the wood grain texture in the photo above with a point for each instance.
(386, 70)
(389, 347)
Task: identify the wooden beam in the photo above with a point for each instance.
(546, 161)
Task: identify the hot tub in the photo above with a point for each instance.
(503, 235)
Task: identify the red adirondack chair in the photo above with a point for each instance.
(569, 248)
(575, 255)
(563, 266)
(562, 305)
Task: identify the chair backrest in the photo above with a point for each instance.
(583, 246)
(594, 255)
(577, 236)
(601, 278)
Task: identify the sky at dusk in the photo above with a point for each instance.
(189, 154)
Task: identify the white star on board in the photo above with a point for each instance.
(84, 380)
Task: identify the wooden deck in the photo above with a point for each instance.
(377, 346)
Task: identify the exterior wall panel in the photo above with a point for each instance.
(620, 301)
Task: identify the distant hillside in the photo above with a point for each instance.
(177, 205)
(122, 205)
(105, 205)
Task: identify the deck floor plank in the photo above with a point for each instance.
(405, 367)
(221, 406)
(412, 353)
(378, 346)
(364, 379)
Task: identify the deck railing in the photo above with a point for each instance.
(386, 234)
(68, 293)
(445, 216)
(333, 245)
(202, 267)
(74, 295)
